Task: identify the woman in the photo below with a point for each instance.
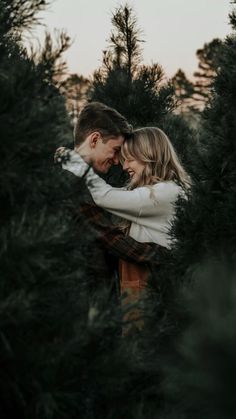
(147, 204)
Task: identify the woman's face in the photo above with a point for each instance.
(134, 168)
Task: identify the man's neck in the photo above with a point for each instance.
(83, 151)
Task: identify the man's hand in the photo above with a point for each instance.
(62, 155)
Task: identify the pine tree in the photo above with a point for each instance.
(198, 309)
(138, 91)
(184, 90)
(33, 120)
(54, 336)
(60, 354)
(135, 90)
(214, 173)
(75, 89)
(192, 96)
(208, 57)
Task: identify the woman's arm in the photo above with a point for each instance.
(128, 204)
(71, 160)
(125, 204)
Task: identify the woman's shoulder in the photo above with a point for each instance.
(162, 186)
(167, 191)
(169, 185)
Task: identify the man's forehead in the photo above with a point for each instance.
(116, 141)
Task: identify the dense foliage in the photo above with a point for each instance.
(61, 352)
(202, 266)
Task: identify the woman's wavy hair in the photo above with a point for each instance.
(151, 147)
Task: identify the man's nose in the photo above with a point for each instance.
(116, 159)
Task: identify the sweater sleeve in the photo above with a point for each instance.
(118, 201)
(75, 164)
(133, 205)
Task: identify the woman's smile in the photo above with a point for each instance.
(131, 173)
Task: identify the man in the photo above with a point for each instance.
(99, 135)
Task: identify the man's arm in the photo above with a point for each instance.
(113, 239)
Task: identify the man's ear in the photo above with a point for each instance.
(94, 137)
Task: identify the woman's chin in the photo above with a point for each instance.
(133, 181)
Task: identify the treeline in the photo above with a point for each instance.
(59, 350)
(122, 62)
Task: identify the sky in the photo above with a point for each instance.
(172, 30)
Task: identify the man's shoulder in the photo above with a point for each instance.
(72, 187)
(66, 175)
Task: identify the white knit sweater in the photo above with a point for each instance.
(149, 208)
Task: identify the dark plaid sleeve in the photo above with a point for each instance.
(115, 240)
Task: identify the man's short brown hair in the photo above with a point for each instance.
(96, 116)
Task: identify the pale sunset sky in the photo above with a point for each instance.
(172, 30)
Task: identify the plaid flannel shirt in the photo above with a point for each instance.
(114, 239)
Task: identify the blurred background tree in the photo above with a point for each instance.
(75, 89)
(184, 90)
(209, 61)
(193, 96)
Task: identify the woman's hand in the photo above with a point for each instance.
(62, 155)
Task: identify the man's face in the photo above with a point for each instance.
(105, 154)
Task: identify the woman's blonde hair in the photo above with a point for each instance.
(151, 147)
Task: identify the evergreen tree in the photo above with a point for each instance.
(54, 340)
(33, 120)
(196, 287)
(212, 199)
(75, 89)
(200, 377)
(135, 90)
(201, 263)
(184, 90)
(60, 356)
(125, 49)
(209, 61)
(193, 96)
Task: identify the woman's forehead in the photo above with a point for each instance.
(125, 149)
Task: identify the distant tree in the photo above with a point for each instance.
(184, 90)
(75, 88)
(124, 48)
(193, 95)
(209, 61)
(183, 87)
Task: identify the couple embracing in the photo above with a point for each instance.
(145, 205)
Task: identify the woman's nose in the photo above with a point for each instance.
(125, 165)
